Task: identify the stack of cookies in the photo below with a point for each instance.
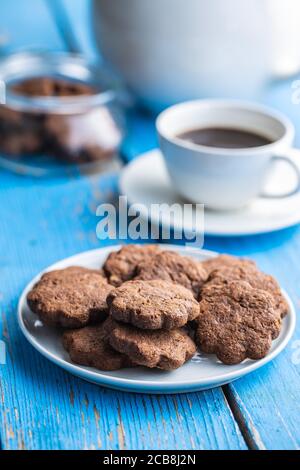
(153, 308)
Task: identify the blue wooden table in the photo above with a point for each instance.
(42, 407)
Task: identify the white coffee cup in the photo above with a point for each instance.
(222, 178)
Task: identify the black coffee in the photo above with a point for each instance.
(230, 138)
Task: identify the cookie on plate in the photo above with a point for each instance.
(254, 277)
(121, 265)
(90, 347)
(222, 261)
(237, 322)
(70, 298)
(171, 266)
(160, 349)
(153, 305)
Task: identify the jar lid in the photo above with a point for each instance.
(23, 66)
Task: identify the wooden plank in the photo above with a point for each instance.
(42, 407)
(141, 135)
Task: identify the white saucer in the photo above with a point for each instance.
(145, 181)
(201, 373)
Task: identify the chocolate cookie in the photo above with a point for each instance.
(165, 350)
(49, 86)
(254, 277)
(70, 298)
(153, 305)
(90, 347)
(121, 265)
(222, 261)
(170, 266)
(237, 322)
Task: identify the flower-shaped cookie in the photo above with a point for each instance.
(171, 266)
(121, 265)
(236, 322)
(71, 297)
(153, 305)
(161, 349)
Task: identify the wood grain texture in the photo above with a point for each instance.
(42, 407)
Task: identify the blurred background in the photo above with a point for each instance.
(40, 24)
(163, 52)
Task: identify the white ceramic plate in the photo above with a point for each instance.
(202, 372)
(145, 181)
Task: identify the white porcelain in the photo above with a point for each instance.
(145, 181)
(222, 179)
(174, 50)
(201, 373)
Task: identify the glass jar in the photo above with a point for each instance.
(59, 112)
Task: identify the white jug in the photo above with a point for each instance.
(174, 50)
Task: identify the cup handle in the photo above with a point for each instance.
(289, 161)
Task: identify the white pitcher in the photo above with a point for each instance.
(173, 50)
